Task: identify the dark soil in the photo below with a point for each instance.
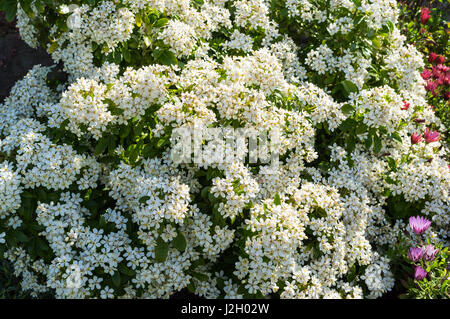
(16, 57)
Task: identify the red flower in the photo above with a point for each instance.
(431, 86)
(431, 136)
(443, 68)
(440, 59)
(437, 71)
(447, 80)
(426, 74)
(425, 15)
(432, 57)
(416, 138)
(405, 106)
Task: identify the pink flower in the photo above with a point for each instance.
(432, 57)
(431, 136)
(429, 252)
(447, 80)
(437, 71)
(447, 95)
(419, 273)
(440, 59)
(416, 138)
(415, 254)
(426, 74)
(425, 15)
(431, 86)
(419, 224)
(405, 106)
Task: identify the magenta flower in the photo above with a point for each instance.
(443, 68)
(426, 74)
(416, 138)
(431, 136)
(425, 15)
(432, 57)
(436, 71)
(431, 86)
(405, 106)
(415, 254)
(429, 252)
(419, 273)
(419, 224)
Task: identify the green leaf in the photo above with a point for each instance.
(101, 145)
(116, 279)
(277, 200)
(199, 276)
(111, 144)
(349, 87)
(26, 6)
(204, 192)
(368, 141)
(392, 164)
(138, 19)
(10, 7)
(27, 194)
(126, 55)
(161, 22)
(144, 199)
(347, 125)
(179, 242)
(102, 221)
(52, 47)
(161, 250)
(39, 6)
(376, 143)
(351, 143)
(126, 271)
(396, 137)
(19, 236)
(347, 109)
(165, 56)
(147, 41)
(149, 151)
(125, 131)
(191, 287)
(112, 107)
(133, 153)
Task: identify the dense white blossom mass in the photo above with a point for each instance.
(87, 180)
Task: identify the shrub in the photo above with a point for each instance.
(95, 201)
(427, 28)
(428, 277)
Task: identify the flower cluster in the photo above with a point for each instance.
(429, 273)
(93, 205)
(438, 77)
